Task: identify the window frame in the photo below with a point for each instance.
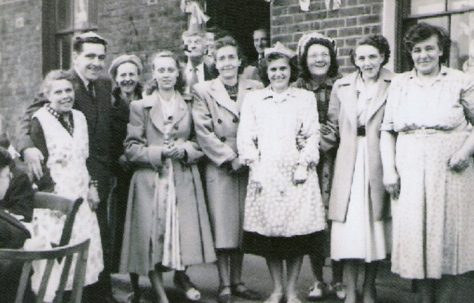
(405, 20)
(51, 56)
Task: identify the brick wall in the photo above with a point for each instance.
(141, 27)
(20, 57)
(355, 18)
(131, 26)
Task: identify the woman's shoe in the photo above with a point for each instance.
(316, 292)
(275, 297)
(225, 294)
(242, 291)
(190, 290)
(339, 290)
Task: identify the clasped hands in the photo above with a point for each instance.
(173, 151)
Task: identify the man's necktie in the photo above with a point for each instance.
(90, 89)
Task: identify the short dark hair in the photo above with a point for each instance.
(5, 158)
(152, 85)
(377, 41)
(261, 29)
(275, 56)
(54, 75)
(80, 40)
(303, 61)
(423, 31)
(230, 41)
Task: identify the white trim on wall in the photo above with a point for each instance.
(389, 23)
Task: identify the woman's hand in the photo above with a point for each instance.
(124, 163)
(391, 181)
(459, 161)
(93, 197)
(325, 130)
(173, 151)
(300, 175)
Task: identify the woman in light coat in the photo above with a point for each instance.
(358, 197)
(167, 224)
(216, 112)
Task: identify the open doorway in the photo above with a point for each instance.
(240, 18)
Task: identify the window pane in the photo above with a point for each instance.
(63, 14)
(93, 13)
(81, 14)
(438, 21)
(64, 51)
(460, 4)
(462, 49)
(427, 6)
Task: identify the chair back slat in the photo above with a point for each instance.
(25, 275)
(67, 252)
(44, 280)
(64, 278)
(79, 275)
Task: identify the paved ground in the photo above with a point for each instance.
(390, 288)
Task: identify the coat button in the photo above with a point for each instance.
(219, 121)
(175, 139)
(235, 120)
(223, 139)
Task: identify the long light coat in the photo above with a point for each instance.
(342, 116)
(143, 147)
(216, 118)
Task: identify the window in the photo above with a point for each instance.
(455, 16)
(61, 20)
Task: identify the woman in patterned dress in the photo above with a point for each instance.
(427, 147)
(60, 133)
(167, 225)
(318, 70)
(358, 198)
(283, 208)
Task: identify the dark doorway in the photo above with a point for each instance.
(240, 18)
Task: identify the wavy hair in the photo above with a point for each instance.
(152, 85)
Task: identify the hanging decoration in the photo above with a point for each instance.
(304, 5)
(333, 4)
(197, 15)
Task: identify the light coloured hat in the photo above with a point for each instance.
(123, 59)
(279, 48)
(312, 35)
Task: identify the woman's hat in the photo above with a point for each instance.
(279, 48)
(313, 35)
(123, 59)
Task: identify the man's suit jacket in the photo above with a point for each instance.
(97, 112)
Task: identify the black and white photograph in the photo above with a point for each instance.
(236, 151)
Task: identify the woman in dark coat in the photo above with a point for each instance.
(167, 224)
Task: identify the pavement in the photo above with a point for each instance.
(390, 288)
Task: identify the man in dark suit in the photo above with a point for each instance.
(195, 70)
(93, 99)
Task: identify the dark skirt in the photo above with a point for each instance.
(281, 247)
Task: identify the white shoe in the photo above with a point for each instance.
(340, 290)
(316, 291)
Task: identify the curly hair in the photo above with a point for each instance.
(275, 56)
(152, 85)
(423, 31)
(303, 60)
(230, 41)
(377, 41)
(54, 75)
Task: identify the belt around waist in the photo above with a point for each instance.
(431, 131)
(361, 131)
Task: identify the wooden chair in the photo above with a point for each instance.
(62, 204)
(27, 257)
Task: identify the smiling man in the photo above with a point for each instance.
(93, 99)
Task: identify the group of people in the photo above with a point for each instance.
(211, 164)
